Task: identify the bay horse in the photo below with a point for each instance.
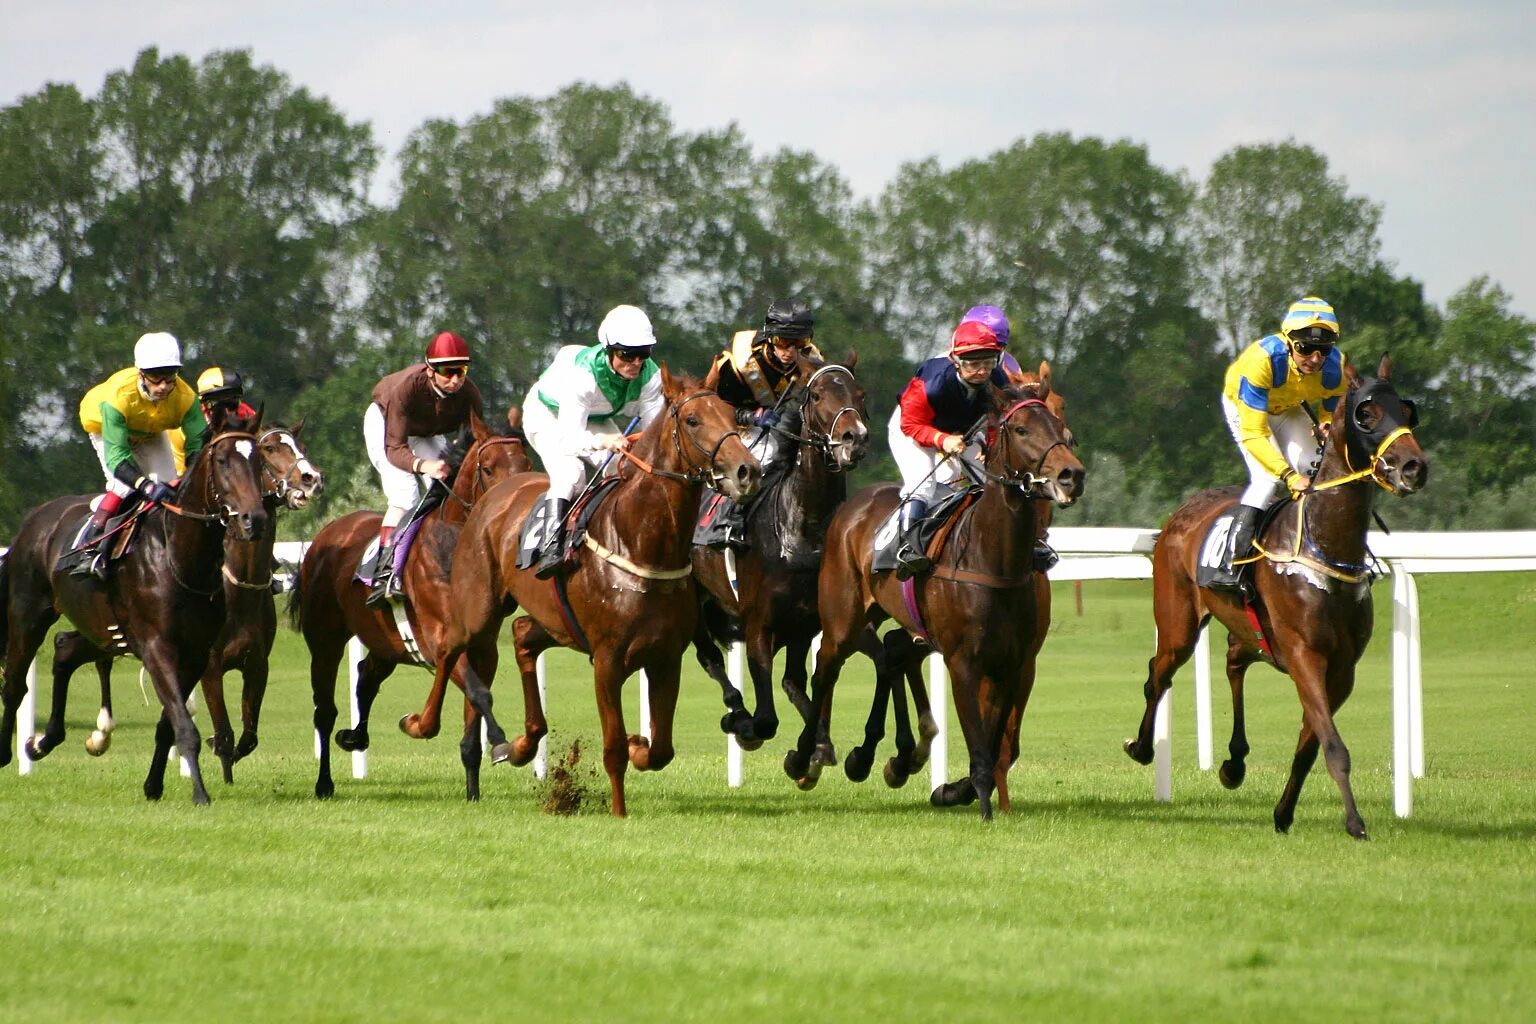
(901, 655)
(977, 607)
(773, 604)
(160, 602)
(1313, 591)
(329, 606)
(288, 479)
(627, 602)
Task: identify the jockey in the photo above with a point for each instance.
(126, 418)
(994, 318)
(754, 373)
(580, 408)
(220, 391)
(944, 399)
(406, 430)
(1265, 388)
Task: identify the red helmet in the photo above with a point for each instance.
(973, 337)
(447, 348)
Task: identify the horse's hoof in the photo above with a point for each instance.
(325, 789)
(1360, 835)
(954, 794)
(808, 782)
(749, 744)
(1283, 822)
(34, 751)
(796, 764)
(1137, 753)
(247, 745)
(824, 756)
(97, 743)
(500, 754)
(200, 800)
(411, 726)
(355, 740)
(1232, 773)
(858, 764)
(895, 775)
(523, 749)
(152, 792)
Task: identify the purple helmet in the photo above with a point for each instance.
(992, 317)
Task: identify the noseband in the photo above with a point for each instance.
(822, 440)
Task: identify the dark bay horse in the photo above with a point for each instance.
(901, 655)
(288, 479)
(978, 604)
(773, 605)
(1313, 588)
(628, 602)
(160, 602)
(329, 607)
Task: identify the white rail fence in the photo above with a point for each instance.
(1089, 553)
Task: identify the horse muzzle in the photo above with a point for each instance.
(741, 482)
(246, 526)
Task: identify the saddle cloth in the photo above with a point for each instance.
(536, 528)
(1213, 548)
(888, 538)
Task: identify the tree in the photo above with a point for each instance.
(1269, 225)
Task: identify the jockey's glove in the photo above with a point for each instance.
(154, 490)
(1296, 483)
(757, 417)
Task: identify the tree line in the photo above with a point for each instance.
(219, 200)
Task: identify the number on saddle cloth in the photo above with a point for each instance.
(530, 540)
(1213, 549)
(887, 540)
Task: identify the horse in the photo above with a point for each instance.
(977, 607)
(250, 622)
(329, 606)
(900, 655)
(1312, 601)
(627, 602)
(773, 601)
(161, 601)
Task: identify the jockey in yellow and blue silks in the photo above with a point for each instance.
(1265, 388)
(127, 418)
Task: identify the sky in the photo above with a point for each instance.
(1428, 109)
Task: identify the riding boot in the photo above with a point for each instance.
(383, 566)
(1045, 556)
(734, 516)
(89, 557)
(552, 551)
(1239, 542)
(911, 559)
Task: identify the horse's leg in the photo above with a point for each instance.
(174, 674)
(1235, 768)
(529, 641)
(1178, 627)
(1009, 752)
(221, 740)
(165, 737)
(70, 651)
(326, 649)
(26, 624)
(814, 750)
(653, 753)
(371, 673)
(608, 682)
(966, 682)
(906, 661)
(736, 719)
(100, 738)
(253, 690)
(861, 758)
(479, 669)
(469, 752)
(1321, 693)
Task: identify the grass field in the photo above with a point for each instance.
(398, 901)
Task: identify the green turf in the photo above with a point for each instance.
(398, 901)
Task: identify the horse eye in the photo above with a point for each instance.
(693, 421)
(1021, 431)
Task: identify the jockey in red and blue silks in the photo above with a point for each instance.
(944, 399)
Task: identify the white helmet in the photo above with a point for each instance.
(626, 327)
(157, 351)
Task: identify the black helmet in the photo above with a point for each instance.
(788, 318)
(218, 384)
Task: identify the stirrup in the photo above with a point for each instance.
(89, 562)
(551, 559)
(380, 593)
(911, 562)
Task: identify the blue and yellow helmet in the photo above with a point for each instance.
(1309, 312)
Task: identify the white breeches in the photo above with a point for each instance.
(154, 456)
(568, 469)
(1292, 433)
(401, 492)
(925, 473)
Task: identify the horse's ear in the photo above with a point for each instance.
(1017, 378)
(1351, 375)
(1384, 368)
(712, 378)
(477, 428)
(515, 419)
(671, 387)
(1045, 379)
(299, 426)
(853, 359)
(261, 410)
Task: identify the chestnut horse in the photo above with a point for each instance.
(630, 603)
(1313, 588)
(978, 606)
(250, 621)
(774, 601)
(159, 602)
(901, 655)
(329, 606)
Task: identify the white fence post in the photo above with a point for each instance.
(1162, 748)
(1402, 781)
(1203, 698)
(736, 671)
(356, 652)
(26, 721)
(938, 695)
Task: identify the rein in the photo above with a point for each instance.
(1373, 471)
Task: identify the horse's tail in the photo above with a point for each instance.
(5, 603)
(296, 600)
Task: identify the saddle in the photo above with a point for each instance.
(535, 528)
(931, 532)
(116, 539)
(713, 527)
(404, 537)
(1213, 546)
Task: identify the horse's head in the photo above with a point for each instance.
(486, 459)
(833, 410)
(286, 471)
(224, 482)
(703, 427)
(1378, 431)
(1032, 447)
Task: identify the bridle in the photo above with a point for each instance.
(1028, 482)
(280, 486)
(821, 440)
(696, 473)
(211, 497)
(1373, 469)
